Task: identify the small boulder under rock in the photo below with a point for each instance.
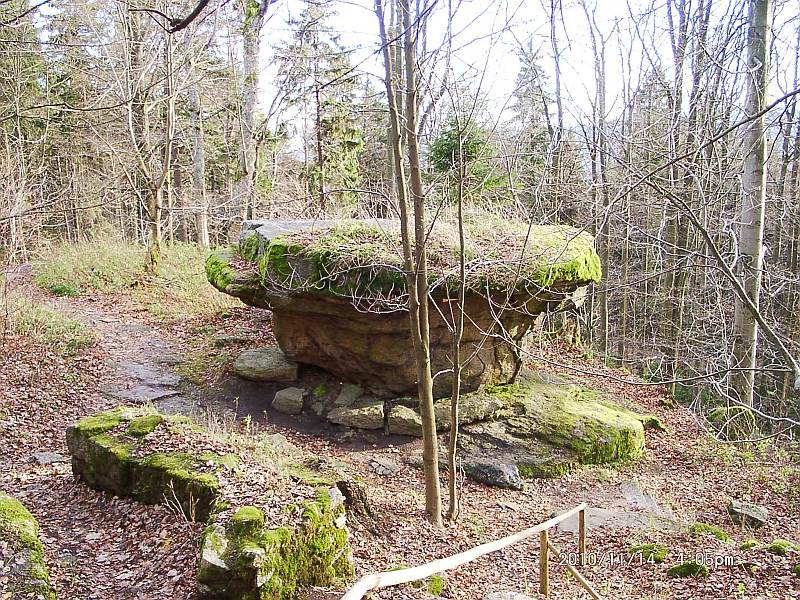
(265, 364)
(404, 421)
(494, 473)
(745, 513)
(289, 400)
(365, 416)
(471, 409)
(348, 395)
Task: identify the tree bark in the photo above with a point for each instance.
(751, 235)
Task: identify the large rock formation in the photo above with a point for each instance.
(338, 293)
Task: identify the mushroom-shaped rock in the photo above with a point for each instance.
(338, 293)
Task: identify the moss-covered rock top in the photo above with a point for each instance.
(363, 256)
(111, 451)
(587, 423)
(248, 560)
(28, 576)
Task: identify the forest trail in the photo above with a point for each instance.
(97, 546)
(101, 547)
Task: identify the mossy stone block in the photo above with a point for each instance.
(29, 577)
(246, 560)
(103, 448)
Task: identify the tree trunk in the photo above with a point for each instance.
(414, 258)
(198, 167)
(751, 235)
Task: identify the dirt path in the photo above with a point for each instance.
(97, 546)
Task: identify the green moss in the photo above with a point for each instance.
(796, 569)
(361, 256)
(305, 474)
(249, 247)
(247, 521)
(316, 553)
(546, 470)
(712, 530)
(435, 585)
(782, 547)
(749, 545)
(144, 425)
(320, 391)
(119, 449)
(691, 568)
(20, 531)
(505, 392)
(107, 461)
(62, 289)
(218, 268)
(651, 422)
(649, 552)
(102, 422)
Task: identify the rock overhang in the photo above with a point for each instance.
(338, 293)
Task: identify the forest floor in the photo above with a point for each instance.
(102, 547)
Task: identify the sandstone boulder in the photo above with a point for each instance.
(363, 416)
(338, 293)
(265, 364)
(289, 400)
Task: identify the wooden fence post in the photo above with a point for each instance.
(544, 576)
(582, 537)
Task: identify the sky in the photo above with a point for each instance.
(487, 34)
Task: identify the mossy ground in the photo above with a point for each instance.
(656, 553)
(19, 529)
(712, 530)
(691, 568)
